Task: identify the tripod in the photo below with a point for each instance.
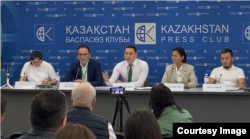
(7, 80)
(118, 108)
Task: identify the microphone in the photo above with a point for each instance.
(171, 73)
(8, 72)
(77, 72)
(220, 78)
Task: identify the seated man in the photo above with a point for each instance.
(131, 69)
(3, 110)
(228, 74)
(83, 97)
(85, 70)
(48, 112)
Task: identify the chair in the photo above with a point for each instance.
(147, 83)
(15, 135)
(119, 135)
(168, 137)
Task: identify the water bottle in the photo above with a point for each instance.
(179, 79)
(57, 80)
(206, 79)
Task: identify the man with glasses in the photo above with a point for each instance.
(85, 70)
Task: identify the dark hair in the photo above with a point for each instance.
(142, 124)
(3, 105)
(226, 50)
(133, 47)
(36, 55)
(182, 52)
(84, 46)
(74, 131)
(48, 109)
(160, 98)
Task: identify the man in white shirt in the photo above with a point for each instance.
(131, 69)
(228, 74)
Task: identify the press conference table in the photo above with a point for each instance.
(230, 106)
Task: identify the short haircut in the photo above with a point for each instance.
(83, 94)
(74, 131)
(48, 109)
(182, 52)
(226, 50)
(133, 47)
(84, 46)
(36, 55)
(142, 124)
(3, 106)
(160, 98)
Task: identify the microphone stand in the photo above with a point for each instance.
(7, 81)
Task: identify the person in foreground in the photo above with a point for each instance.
(142, 124)
(3, 110)
(85, 70)
(228, 74)
(131, 69)
(38, 71)
(83, 97)
(48, 112)
(74, 131)
(180, 69)
(166, 110)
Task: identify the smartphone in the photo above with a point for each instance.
(117, 91)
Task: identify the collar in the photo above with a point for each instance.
(134, 63)
(228, 69)
(180, 67)
(85, 65)
(168, 109)
(35, 132)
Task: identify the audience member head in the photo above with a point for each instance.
(160, 98)
(179, 55)
(48, 110)
(84, 95)
(130, 54)
(36, 58)
(3, 108)
(84, 54)
(227, 58)
(74, 131)
(142, 124)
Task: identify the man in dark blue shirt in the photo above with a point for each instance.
(48, 112)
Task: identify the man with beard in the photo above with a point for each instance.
(228, 74)
(85, 70)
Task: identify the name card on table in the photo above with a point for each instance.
(68, 85)
(127, 86)
(25, 85)
(175, 87)
(214, 87)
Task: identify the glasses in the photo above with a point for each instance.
(155, 86)
(83, 54)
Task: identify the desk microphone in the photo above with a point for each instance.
(219, 78)
(77, 72)
(171, 73)
(8, 72)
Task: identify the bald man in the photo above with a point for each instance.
(84, 97)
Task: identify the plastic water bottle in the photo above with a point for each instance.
(179, 79)
(206, 79)
(57, 80)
